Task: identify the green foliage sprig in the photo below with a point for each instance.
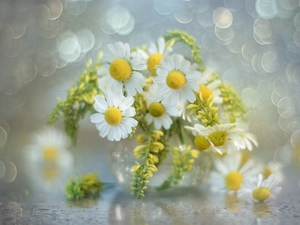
(183, 160)
(149, 152)
(206, 113)
(183, 37)
(87, 186)
(232, 103)
(79, 100)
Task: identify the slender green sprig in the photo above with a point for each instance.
(206, 112)
(87, 186)
(181, 36)
(183, 160)
(140, 111)
(79, 100)
(232, 103)
(142, 171)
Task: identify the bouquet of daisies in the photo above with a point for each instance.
(156, 94)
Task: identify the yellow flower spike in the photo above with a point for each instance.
(156, 147)
(187, 167)
(89, 63)
(195, 154)
(190, 106)
(135, 168)
(153, 168)
(140, 138)
(140, 147)
(192, 111)
(205, 121)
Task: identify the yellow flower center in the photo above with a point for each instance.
(218, 138)
(175, 79)
(120, 69)
(261, 194)
(267, 172)
(51, 153)
(201, 143)
(233, 180)
(113, 116)
(206, 93)
(156, 109)
(154, 61)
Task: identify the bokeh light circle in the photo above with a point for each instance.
(295, 140)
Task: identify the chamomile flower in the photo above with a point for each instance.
(50, 146)
(155, 53)
(160, 113)
(48, 156)
(221, 138)
(262, 190)
(114, 117)
(177, 79)
(122, 71)
(209, 90)
(271, 168)
(229, 173)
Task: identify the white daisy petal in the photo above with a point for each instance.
(100, 104)
(161, 45)
(97, 118)
(129, 112)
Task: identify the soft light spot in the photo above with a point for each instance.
(156, 109)
(261, 194)
(233, 180)
(154, 61)
(222, 18)
(120, 69)
(175, 79)
(201, 142)
(218, 138)
(113, 116)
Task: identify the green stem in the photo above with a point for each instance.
(181, 132)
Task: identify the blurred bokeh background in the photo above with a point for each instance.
(44, 45)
